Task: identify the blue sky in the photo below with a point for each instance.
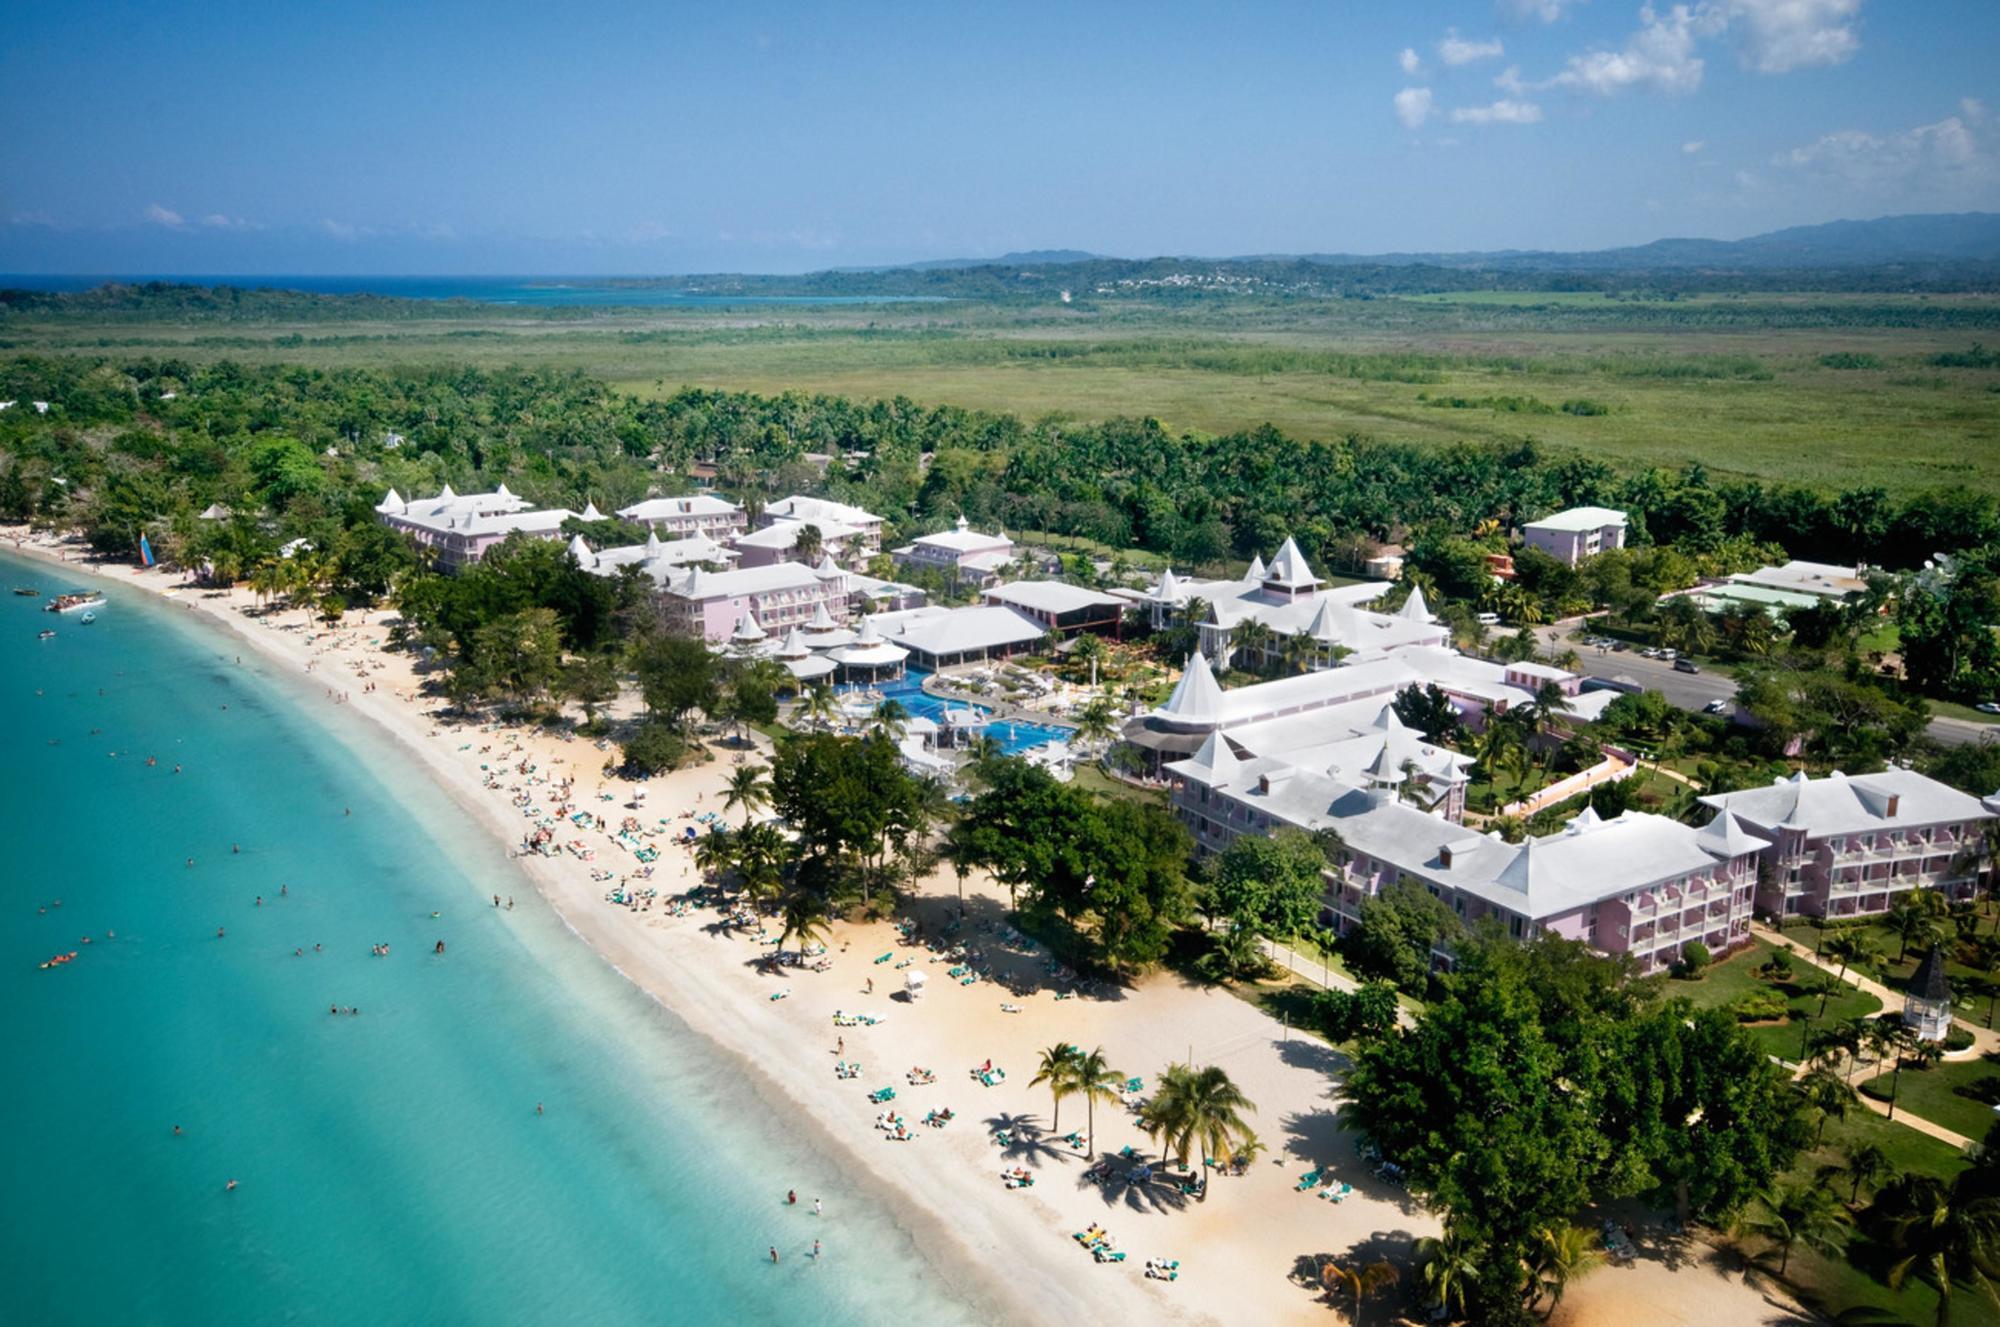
(452, 138)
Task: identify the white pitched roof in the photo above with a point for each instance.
(1051, 596)
(1289, 567)
(581, 552)
(1196, 697)
(968, 630)
(1256, 571)
(1576, 520)
(659, 509)
(1414, 607)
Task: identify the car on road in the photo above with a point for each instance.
(1685, 666)
(1988, 707)
(1489, 619)
(1650, 652)
(1717, 706)
(1619, 646)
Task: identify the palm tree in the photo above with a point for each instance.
(805, 921)
(1897, 1040)
(1945, 1234)
(1094, 1080)
(1057, 1072)
(818, 707)
(1868, 1164)
(1358, 1282)
(1562, 1254)
(1196, 1106)
(1800, 1214)
(760, 856)
(1097, 723)
(809, 544)
(1918, 918)
(715, 853)
(1447, 1268)
(892, 718)
(1828, 1096)
(267, 581)
(749, 787)
(1850, 948)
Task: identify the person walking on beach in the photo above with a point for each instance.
(815, 1251)
(817, 1209)
(774, 1248)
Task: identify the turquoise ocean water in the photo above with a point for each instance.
(392, 1167)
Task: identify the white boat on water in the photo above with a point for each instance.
(71, 603)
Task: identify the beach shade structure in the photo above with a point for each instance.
(913, 982)
(811, 668)
(870, 657)
(823, 633)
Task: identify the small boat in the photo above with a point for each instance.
(70, 603)
(28, 590)
(44, 635)
(88, 618)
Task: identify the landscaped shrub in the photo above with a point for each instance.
(1694, 958)
(1758, 1007)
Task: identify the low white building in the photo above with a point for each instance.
(698, 514)
(824, 512)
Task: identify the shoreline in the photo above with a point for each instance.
(1005, 1254)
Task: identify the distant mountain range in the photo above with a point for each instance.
(1956, 237)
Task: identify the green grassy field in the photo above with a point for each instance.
(1736, 976)
(1741, 384)
(1938, 1094)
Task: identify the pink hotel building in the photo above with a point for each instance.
(710, 603)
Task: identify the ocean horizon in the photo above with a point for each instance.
(538, 291)
(391, 1164)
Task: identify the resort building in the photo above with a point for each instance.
(824, 512)
(711, 604)
(943, 637)
(961, 553)
(1286, 613)
(660, 560)
(1641, 884)
(1060, 606)
(1847, 846)
(460, 528)
(780, 541)
(1815, 580)
(1574, 535)
(680, 518)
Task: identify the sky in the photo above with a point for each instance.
(655, 138)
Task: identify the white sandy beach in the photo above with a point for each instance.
(1237, 1250)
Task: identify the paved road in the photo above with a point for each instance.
(1691, 691)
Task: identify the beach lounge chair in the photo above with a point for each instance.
(1308, 1180)
(886, 957)
(882, 1094)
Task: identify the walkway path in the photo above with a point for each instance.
(1983, 1039)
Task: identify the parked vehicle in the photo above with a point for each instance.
(1988, 707)
(1685, 666)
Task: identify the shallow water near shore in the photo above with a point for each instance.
(391, 1163)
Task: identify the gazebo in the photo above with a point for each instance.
(869, 658)
(1927, 1006)
(823, 633)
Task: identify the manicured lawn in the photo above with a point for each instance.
(1836, 1285)
(1089, 776)
(1936, 1095)
(1732, 978)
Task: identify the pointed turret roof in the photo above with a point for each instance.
(1197, 696)
(591, 513)
(1519, 873)
(1168, 588)
(1256, 571)
(1217, 757)
(1584, 820)
(1414, 607)
(1385, 768)
(1289, 567)
(445, 494)
(1929, 982)
(747, 629)
(821, 620)
(1332, 622)
(1388, 721)
(794, 646)
(391, 502)
(692, 586)
(1725, 837)
(581, 551)
(827, 567)
(501, 492)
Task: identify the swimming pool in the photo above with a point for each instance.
(1014, 736)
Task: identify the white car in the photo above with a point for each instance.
(1717, 707)
(1988, 707)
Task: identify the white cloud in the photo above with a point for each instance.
(647, 232)
(340, 230)
(1693, 146)
(1409, 61)
(223, 221)
(1547, 11)
(1413, 107)
(1456, 50)
(1930, 162)
(1660, 55)
(1504, 111)
(164, 216)
(1778, 36)
(1508, 80)
(1973, 109)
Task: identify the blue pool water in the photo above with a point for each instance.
(392, 1164)
(1014, 737)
